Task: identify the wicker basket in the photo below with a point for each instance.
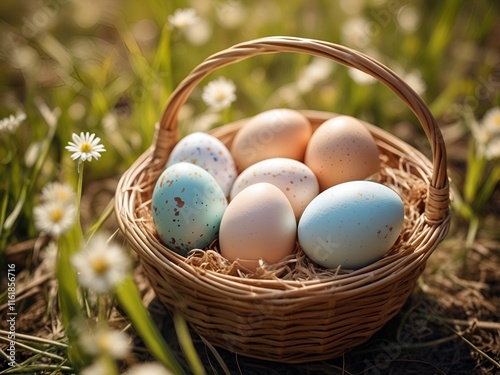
(314, 314)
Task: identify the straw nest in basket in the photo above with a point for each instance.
(292, 311)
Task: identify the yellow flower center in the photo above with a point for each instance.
(62, 195)
(496, 121)
(56, 215)
(220, 96)
(103, 342)
(100, 266)
(86, 147)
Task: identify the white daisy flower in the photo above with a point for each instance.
(492, 149)
(100, 265)
(491, 120)
(58, 192)
(105, 340)
(150, 368)
(97, 368)
(85, 147)
(183, 18)
(11, 123)
(219, 93)
(54, 218)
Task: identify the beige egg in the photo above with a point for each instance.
(258, 223)
(274, 133)
(340, 150)
(292, 177)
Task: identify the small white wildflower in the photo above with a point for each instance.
(25, 58)
(318, 70)
(219, 93)
(51, 116)
(54, 218)
(183, 18)
(58, 192)
(99, 367)
(110, 122)
(100, 265)
(491, 120)
(85, 147)
(360, 77)
(415, 81)
(50, 254)
(11, 123)
(150, 368)
(492, 149)
(408, 18)
(199, 33)
(487, 134)
(356, 32)
(105, 340)
(32, 153)
(76, 111)
(231, 14)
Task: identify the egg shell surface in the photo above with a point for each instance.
(209, 153)
(187, 207)
(340, 150)
(259, 223)
(351, 224)
(274, 133)
(292, 177)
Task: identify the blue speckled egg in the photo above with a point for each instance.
(209, 153)
(187, 207)
(351, 224)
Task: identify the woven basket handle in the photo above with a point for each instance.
(437, 204)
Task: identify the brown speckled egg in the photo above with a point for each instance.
(340, 150)
(273, 133)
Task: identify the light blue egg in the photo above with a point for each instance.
(351, 224)
(187, 207)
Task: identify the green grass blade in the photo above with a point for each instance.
(68, 288)
(187, 346)
(129, 298)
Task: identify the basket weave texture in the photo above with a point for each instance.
(293, 311)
